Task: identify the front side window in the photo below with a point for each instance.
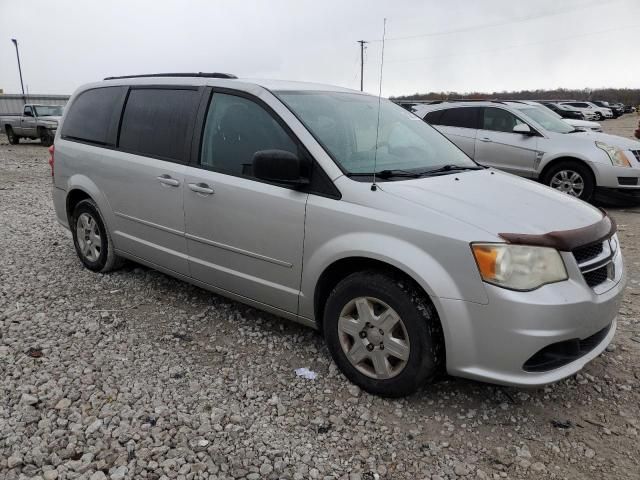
(92, 114)
(156, 122)
(346, 125)
(499, 120)
(27, 112)
(235, 129)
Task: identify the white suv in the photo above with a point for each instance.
(525, 140)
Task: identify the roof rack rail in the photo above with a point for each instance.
(198, 74)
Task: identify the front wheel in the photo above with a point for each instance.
(12, 137)
(383, 333)
(572, 178)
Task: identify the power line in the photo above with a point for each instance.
(512, 46)
(499, 23)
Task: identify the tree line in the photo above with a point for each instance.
(628, 96)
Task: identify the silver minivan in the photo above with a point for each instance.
(345, 213)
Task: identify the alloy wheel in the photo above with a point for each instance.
(568, 181)
(373, 337)
(88, 235)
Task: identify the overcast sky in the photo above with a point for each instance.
(490, 44)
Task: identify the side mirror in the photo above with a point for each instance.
(280, 166)
(523, 128)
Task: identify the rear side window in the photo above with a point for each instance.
(463, 117)
(93, 116)
(235, 129)
(433, 117)
(156, 122)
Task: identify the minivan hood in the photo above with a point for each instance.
(497, 202)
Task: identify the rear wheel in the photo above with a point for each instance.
(383, 333)
(91, 238)
(11, 136)
(572, 178)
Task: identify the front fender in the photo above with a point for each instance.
(592, 159)
(430, 274)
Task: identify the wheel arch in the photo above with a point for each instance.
(341, 268)
(565, 158)
(80, 187)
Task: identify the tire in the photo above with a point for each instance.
(11, 136)
(599, 116)
(568, 183)
(98, 257)
(407, 356)
(45, 137)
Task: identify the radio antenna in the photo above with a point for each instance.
(375, 153)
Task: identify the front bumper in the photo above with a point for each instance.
(609, 176)
(493, 342)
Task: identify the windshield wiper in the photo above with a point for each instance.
(385, 174)
(398, 173)
(450, 168)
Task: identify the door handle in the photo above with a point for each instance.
(202, 188)
(485, 139)
(167, 180)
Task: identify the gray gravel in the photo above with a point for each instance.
(137, 375)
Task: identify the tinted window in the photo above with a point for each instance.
(156, 122)
(93, 114)
(499, 120)
(433, 117)
(464, 117)
(235, 129)
(27, 111)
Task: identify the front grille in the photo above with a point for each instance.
(636, 153)
(589, 252)
(597, 276)
(595, 262)
(559, 354)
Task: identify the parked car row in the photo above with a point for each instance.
(527, 139)
(345, 212)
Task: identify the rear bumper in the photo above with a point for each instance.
(60, 205)
(495, 342)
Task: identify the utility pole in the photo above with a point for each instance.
(15, 42)
(361, 42)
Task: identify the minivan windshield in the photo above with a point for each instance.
(345, 124)
(48, 111)
(547, 120)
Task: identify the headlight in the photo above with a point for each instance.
(518, 267)
(617, 156)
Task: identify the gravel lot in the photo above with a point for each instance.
(137, 375)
